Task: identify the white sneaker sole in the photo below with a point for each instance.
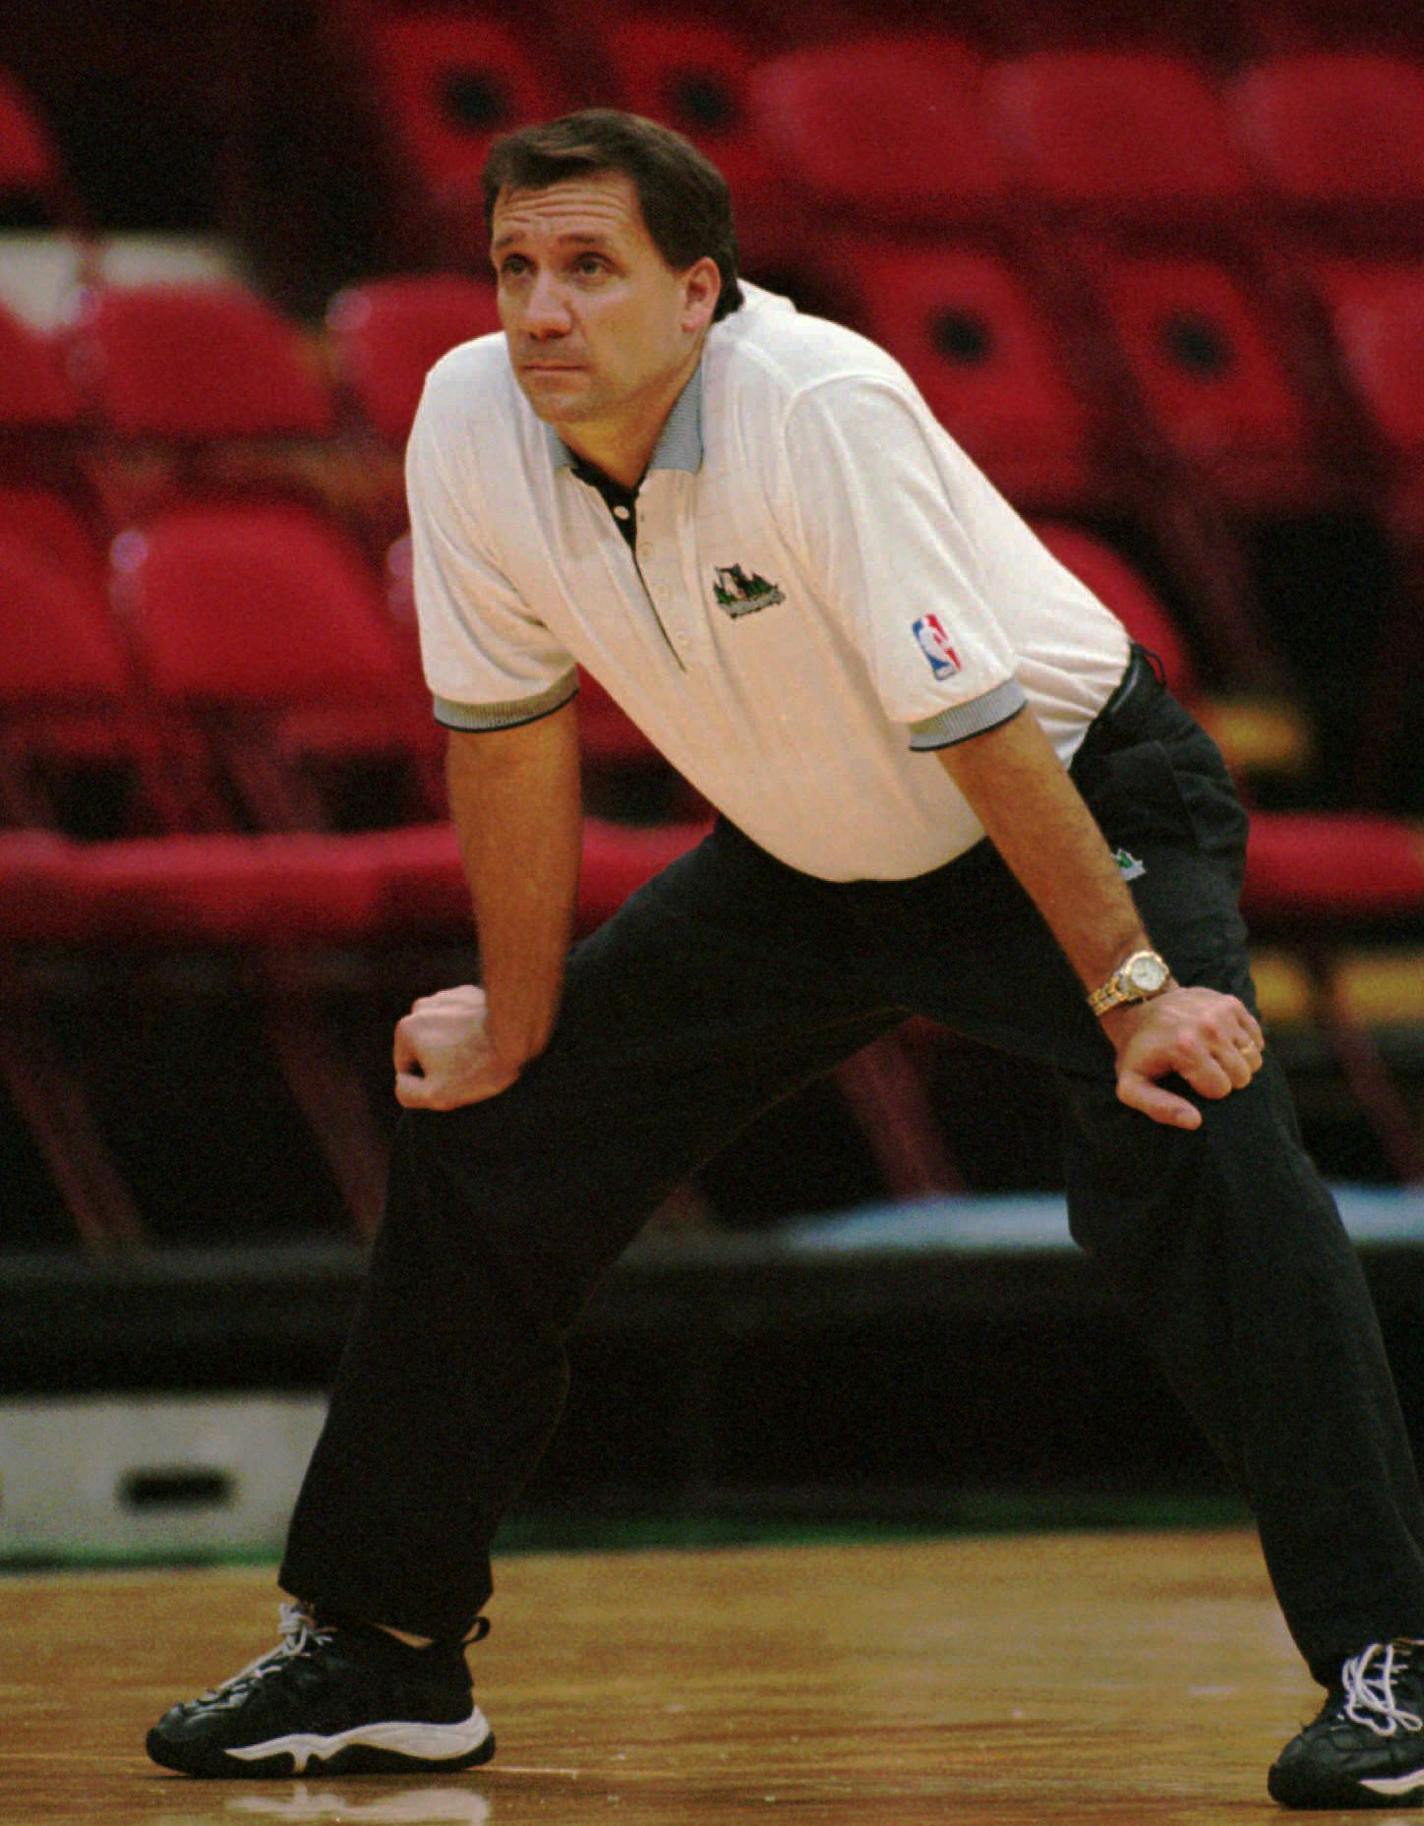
(1396, 1784)
(422, 1743)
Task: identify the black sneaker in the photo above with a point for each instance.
(342, 1698)
(1366, 1749)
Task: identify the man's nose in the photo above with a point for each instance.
(546, 310)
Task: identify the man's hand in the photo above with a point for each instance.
(443, 1056)
(1211, 1040)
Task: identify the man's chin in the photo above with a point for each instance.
(557, 398)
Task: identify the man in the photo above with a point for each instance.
(930, 747)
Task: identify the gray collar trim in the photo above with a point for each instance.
(678, 447)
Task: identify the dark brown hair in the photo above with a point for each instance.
(683, 196)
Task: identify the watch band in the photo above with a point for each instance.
(1137, 979)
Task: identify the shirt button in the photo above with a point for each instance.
(621, 512)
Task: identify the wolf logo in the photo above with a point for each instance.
(739, 594)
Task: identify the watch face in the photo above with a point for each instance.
(1147, 974)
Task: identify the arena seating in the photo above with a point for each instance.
(1159, 275)
(1319, 884)
(883, 133)
(448, 82)
(1067, 116)
(195, 362)
(693, 71)
(1339, 138)
(988, 361)
(35, 391)
(1205, 356)
(1377, 313)
(388, 333)
(53, 527)
(80, 750)
(265, 625)
(34, 188)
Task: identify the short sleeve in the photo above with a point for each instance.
(489, 661)
(882, 502)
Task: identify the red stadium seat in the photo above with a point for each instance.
(32, 183)
(388, 333)
(278, 898)
(1114, 582)
(625, 777)
(1339, 137)
(1261, 736)
(1377, 316)
(197, 362)
(265, 623)
(1316, 882)
(53, 527)
(287, 888)
(1205, 358)
(1109, 135)
(451, 82)
(1304, 867)
(985, 360)
(1377, 312)
(193, 891)
(889, 132)
(35, 390)
(423, 892)
(79, 750)
(606, 732)
(692, 72)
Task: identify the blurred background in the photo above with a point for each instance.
(1159, 268)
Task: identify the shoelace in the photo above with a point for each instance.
(1369, 1690)
(299, 1631)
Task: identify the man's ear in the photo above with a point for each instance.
(701, 288)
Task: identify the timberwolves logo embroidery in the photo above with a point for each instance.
(739, 594)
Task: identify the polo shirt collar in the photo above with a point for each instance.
(679, 445)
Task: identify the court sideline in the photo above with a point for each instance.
(1079, 1678)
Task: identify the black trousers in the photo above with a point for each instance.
(727, 983)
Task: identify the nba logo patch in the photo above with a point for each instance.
(934, 644)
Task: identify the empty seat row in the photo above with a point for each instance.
(1311, 881)
(920, 128)
(909, 119)
(1193, 388)
(1214, 365)
(241, 666)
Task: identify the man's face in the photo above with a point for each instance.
(598, 325)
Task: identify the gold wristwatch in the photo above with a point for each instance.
(1137, 979)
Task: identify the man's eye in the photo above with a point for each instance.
(590, 264)
(513, 264)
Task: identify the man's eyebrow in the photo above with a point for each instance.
(577, 240)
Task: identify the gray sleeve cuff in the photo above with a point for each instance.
(973, 718)
(509, 715)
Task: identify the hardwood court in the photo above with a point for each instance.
(1129, 1678)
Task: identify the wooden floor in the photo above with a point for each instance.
(1134, 1678)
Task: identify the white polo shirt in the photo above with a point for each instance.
(824, 588)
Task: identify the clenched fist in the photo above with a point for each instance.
(1211, 1040)
(443, 1056)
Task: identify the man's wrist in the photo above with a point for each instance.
(513, 1045)
(1141, 976)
